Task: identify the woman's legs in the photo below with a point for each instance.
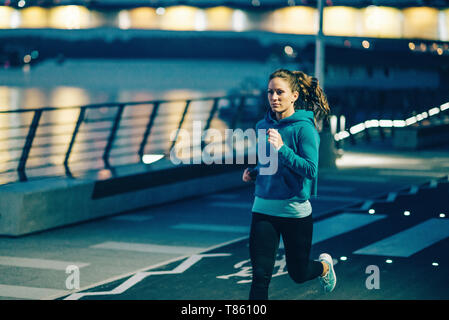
(297, 236)
(263, 246)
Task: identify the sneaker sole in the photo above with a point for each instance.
(328, 259)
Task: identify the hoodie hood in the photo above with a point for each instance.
(298, 115)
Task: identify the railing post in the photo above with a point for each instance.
(148, 129)
(212, 113)
(112, 135)
(238, 112)
(28, 144)
(72, 141)
(186, 109)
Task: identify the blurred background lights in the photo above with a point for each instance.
(285, 20)
(381, 22)
(27, 58)
(406, 213)
(219, 18)
(141, 18)
(343, 258)
(389, 261)
(200, 21)
(371, 211)
(239, 21)
(180, 18)
(34, 17)
(5, 17)
(434, 111)
(15, 20)
(435, 264)
(69, 17)
(124, 21)
(420, 23)
(340, 21)
(288, 50)
(297, 18)
(442, 215)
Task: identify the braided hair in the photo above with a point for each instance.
(311, 95)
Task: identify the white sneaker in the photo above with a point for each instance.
(329, 280)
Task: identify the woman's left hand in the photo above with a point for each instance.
(275, 138)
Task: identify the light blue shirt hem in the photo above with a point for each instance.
(289, 208)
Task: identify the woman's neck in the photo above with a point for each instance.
(285, 114)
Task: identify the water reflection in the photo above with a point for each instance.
(78, 83)
(55, 129)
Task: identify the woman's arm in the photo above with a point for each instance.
(306, 162)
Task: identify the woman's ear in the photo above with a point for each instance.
(295, 96)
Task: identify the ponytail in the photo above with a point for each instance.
(311, 95)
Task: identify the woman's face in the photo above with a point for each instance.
(281, 97)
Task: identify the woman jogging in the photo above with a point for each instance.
(281, 205)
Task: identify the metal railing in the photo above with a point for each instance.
(55, 141)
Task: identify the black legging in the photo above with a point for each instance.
(263, 245)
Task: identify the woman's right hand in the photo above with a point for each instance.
(246, 176)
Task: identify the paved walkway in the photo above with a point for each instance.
(381, 216)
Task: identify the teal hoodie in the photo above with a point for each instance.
(297, 170)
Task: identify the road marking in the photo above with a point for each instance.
(38, 263)
(211, 227)
(132, 218)
(139, 276)
(147, 247)
(433, 183)
(20, 292)
(367, 205)
(146, 269)
(342, 223)
(410, 241)
(414, 189)
(391, 196)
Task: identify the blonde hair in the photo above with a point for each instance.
(311, 95)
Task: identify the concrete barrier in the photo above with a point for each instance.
(54, 202)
